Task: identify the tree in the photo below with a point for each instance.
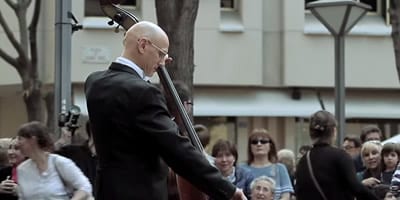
(26, 60)
(177, 18)
(394, 12)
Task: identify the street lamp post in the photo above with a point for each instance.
(62, 82)
(339, 17)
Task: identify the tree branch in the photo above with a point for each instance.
(10, 35)
(12, 39)
(10, 60)
(36, 14)
(32, 37)
(26, 3)
(394, 12)
(13, 5)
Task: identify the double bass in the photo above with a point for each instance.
(126, 19)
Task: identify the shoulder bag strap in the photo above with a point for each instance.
(59, 172)
(313, 177)
(69, 188)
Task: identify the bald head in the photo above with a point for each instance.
(146, 44)
(143, 29)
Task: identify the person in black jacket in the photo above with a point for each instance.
(332, 167)
(133, 131)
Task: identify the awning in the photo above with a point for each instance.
(394, 139)
(262, 102)
(279, 103)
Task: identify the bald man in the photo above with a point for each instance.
(133, 131)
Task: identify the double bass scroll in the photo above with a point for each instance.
(118, 15)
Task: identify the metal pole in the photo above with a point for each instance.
(62, 82)
(340, 87)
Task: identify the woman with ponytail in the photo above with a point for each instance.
(327, 172)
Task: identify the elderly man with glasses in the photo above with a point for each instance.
(133, 131)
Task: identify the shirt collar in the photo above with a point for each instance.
(232, 177)
(129, 63)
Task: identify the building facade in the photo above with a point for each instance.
(259, 63)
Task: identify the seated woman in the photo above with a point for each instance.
(226, 156)
(45, 175)
(262, 188)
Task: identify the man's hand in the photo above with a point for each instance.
(65, 139)
(167, 60)
(239, 195)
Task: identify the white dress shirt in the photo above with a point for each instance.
(125, 61)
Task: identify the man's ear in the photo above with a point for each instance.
(141, 45)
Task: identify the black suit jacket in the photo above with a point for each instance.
(133, 132)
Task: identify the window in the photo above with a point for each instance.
(228, 4)
(92, 7)
(231, 19)
(376, 6)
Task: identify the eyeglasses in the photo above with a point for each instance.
(161, 52)
(262, 141)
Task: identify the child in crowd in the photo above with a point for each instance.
(390, 155)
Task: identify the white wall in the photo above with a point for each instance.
(309, 52)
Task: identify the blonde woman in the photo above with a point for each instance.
(371, 157)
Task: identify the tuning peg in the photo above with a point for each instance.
(118, 17)
(117, 29)
(111, 22)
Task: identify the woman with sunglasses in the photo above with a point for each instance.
(262, 161)
(327, 172)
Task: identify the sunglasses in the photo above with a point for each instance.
(262, 141)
